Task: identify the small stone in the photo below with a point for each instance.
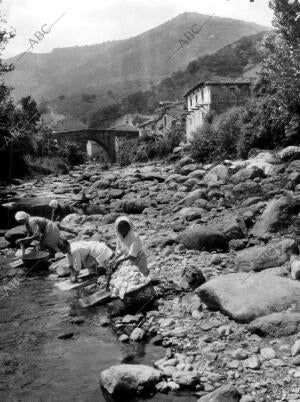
(296, 348)
(137, 334)
(66, 335)
(267, 353)
(252, 362)
(77, 320)
(296, 361)
(123, 338)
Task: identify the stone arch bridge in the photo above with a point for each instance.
(107, 138)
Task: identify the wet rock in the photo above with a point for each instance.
(137, 334)
(227, 393)
(276, 324)
(18, 232)
(66, 335)
(157, 340)
(245, 297)
(132, 319)
(203, 238)
(77, 320)
(258, 258)
(128, 379)
(124, 338)
(277, 215)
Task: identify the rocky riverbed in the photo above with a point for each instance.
(227, 235)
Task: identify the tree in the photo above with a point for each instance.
(275, 119)
(18, 122)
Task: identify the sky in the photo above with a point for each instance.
(78, 22)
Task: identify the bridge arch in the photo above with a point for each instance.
(106, 138)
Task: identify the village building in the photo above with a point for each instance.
(168, 115)
(215, 95)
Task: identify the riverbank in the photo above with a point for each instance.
(222, 221)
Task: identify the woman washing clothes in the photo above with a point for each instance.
(41, 229)
(129, 246)
(130, 255)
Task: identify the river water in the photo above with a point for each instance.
(37, 366)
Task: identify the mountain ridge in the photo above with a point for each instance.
(141, 58)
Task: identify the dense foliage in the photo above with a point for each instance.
(272, 117)
(150, 147)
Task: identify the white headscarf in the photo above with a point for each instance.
(53, 204)
(21, 216)
(123, 219)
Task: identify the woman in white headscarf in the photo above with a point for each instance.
(59, 210)
(41, 229)
(129, 245)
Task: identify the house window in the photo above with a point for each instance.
(165, 120)
(232, 91)
(196, 99)
(191, 102)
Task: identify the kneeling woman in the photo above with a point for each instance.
(129, 246)
(85, 254)
(41, 229)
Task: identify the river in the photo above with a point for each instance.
(37, 366)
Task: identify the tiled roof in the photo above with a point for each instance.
(219, 81)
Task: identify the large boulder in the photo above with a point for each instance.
(226, 393)
(233, 227)
(246, 174)
(219, 172)
(203, 238)
(71, 222)
(276, 324)
(18, 232)
(258, 258)
(129, 379)
(245, 297)
(276, 216)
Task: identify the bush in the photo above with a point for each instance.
(149, 147)
(45, 165)
(72, 154)
(217, 138)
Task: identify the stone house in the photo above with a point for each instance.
(215, 95)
